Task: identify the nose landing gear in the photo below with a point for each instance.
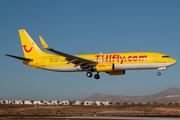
(162, 68)
(158, 73)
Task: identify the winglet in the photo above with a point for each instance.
(45, 46)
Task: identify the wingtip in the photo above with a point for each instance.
(22, 30)
(45, 46)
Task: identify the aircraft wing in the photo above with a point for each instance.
(84, 63)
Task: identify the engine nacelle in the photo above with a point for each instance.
(104, 67)
(120, 72)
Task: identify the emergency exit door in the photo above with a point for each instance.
(43, 62)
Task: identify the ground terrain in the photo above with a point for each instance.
(93, 110)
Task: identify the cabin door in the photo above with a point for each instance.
(155, 58)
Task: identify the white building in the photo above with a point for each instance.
(5, 101)
(77, 103)
(27, 102)
(49, 103)
(65, 103)
(54, 102)
(17, 102)
(107, 103)
(1, 101)
(172, 96)
(37, 102)
(103, 102)
(88, 103)
(99, 103)
(45, 102)
(10, 102)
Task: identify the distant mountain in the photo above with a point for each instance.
(100, 97)
(170, 91)
(158, 97)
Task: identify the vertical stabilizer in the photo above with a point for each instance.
(30, 48)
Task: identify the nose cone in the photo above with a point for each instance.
(173, 61)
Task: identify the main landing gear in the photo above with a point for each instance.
(89, 74)
(96, 76)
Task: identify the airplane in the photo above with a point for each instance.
(111, 63)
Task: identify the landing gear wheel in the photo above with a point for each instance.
(96, 76)
(158, 73)
(89, 74)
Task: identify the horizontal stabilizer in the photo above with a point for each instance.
(20, 58)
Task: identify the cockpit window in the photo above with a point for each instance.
(165, 56)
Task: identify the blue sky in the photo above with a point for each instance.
(87, 27)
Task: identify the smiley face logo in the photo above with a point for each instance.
(24, 46)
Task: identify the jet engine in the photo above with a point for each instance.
(104, 67)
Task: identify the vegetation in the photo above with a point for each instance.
(132, 104)
(70, 102)
(162, 104)
(110, 103)
(169, 103)
(41, 101)
(82, 103)
(32, 101)
(155, 103)
(117, 103)
(74, 102)
(58, 102)
(50, 102)
(125, 103)
(176, 104)
(147, 104)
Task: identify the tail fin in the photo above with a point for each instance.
(30, 48)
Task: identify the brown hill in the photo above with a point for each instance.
(158, 97)
(170, 91)
(101, 97)
(164, 100)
